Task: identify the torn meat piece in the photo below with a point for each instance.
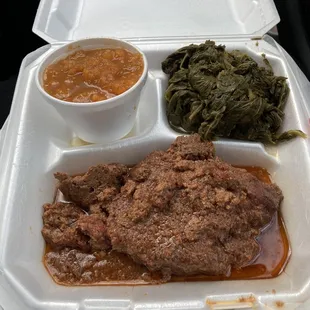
(60, 229)
(61, 214)
(66, 225)
(94, 226)
(67, 237)
(183, 148)
(192, 148)
(96, 208)
(99, 184)
(70, 265)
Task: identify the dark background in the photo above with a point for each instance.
(16, 32)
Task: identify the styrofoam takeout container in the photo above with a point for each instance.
(36, 142)
(102, 121)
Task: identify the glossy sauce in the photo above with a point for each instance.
(119, 269)
(93, 75)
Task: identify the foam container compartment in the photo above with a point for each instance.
(35, 143)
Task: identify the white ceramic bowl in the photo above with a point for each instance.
(101, 121)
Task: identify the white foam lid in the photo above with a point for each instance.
(68, 20)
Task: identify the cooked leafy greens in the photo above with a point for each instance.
(225, 94)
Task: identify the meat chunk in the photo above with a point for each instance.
(68, 237)
(70, 265)
(94, 226)
(60, 229)
(191, 148)
(61, 214)
(66, 225)
(186, 212)
(99, 184)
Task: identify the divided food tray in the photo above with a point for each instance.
(36, 143)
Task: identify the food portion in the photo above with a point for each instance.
(178, 213)
(225, 94)
(98, 185)
(93, 75)
(186, 212)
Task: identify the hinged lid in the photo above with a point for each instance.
(66, 20)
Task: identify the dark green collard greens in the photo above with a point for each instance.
(225, 94)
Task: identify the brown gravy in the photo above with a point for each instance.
(119, 269)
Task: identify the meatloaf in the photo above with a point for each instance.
(99, 184)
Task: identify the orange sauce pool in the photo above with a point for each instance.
(273, 258)
(93, 75)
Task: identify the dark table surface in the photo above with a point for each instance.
(293, 36)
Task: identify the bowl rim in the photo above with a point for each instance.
(42, 66)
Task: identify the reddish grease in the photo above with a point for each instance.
(274, 256)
